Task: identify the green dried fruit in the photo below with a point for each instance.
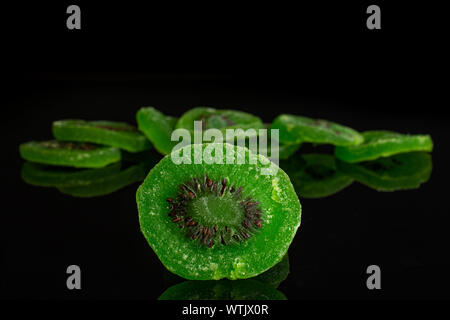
(222, 290)
(383, 144)
(398, 172)
(115, 134)
(157, 128)
(212, 221)
(315, 175)
(296, 129)
(219, 119)
(71, 154)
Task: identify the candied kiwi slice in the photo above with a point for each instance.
(399, 172)
(248, 289)
(71, 154)
(157, 128)
(297, 129)
(315, 175)
(379, 144)
(220, 119)
(212, 221)
(115, 134)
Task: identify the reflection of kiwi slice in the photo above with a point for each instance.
(115, 134)
(294, 129)
(71, 154)
(107, 184)
(54, 176)
(383, 144)
(222, 290)
(212, 221)
(219, 119)
(157, 128)
(402, 171)
(276, 275)
(315, 175)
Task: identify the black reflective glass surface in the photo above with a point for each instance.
(389, 212)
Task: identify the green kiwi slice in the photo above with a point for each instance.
(315, 175)
(211, 221)
(399, 172)
(383, 144)
(100, 186)
(222, 290)
(115, 134)
(297, 129)
(71, 154)
(157, 128)
(219, 119)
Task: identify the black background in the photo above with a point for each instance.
(314, 60)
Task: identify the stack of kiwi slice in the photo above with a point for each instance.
(213, 220)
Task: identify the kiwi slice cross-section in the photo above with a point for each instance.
(248, 289)
(71, 154)
(399, 172)
(297, 129)
(315, 175)
(157, 128)
(220, 119)
(211, 221)
(383, 144)
(115, 134)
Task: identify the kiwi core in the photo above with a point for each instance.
(215, 213)
(206, 208)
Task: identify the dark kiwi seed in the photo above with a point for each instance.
(213, 233)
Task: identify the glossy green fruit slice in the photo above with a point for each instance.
(399, 172)
(99, 186)
(115, 134)
(212, 221)
(53, 176)
(219, 119)
(296, 129)
(315, 175)
(222, 290)
(71, 154)
(157, 128)
(383, 144)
